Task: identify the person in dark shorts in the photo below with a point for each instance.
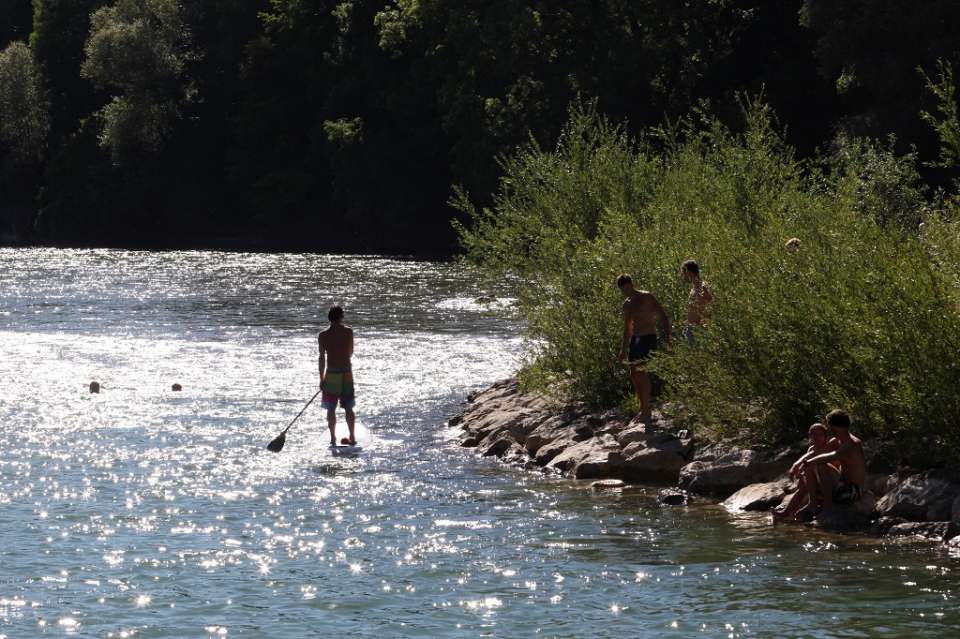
(641, 315)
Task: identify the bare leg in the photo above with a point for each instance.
(808, 480)
(827, 477)
(642, 387)
(351, 419)
(794, 503)
(332, 425)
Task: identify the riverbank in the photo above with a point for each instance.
(535, 432)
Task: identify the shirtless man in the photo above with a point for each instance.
(831, 485)
(794, 503)
(336, 375)
(700, 298)
(641, 313)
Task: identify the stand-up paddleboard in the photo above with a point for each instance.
(362, 436)
(346, 450)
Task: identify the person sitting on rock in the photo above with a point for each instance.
(788, 510)
(830, 485)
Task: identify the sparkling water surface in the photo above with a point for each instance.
(141, 512)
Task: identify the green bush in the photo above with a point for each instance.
(865, 315)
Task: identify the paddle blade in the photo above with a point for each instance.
(277, 444)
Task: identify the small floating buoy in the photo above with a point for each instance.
(94, 387)
(176, 388)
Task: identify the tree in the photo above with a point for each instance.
(138, 50)
(870, 50)
(60, 29)
(24, 117)
(16, 17)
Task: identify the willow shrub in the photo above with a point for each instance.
(865, 315)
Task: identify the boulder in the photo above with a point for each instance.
(496, 446)
(734, 470)
(607, 484)
(928, 529)
(594, 458)
(925, 497)
(881, 526)
(953, 530)
(842, 519)
(762, 496)
(881, 484)
(517, 455)
(673, 497)
(546, 453)
(566, 426)
(650, 463)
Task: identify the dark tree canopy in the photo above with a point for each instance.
(343, 125)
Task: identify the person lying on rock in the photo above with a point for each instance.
(829, 485)
(788, 510)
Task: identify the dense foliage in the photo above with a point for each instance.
(329, 124)
(865, 315)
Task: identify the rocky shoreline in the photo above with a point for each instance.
(532, 431)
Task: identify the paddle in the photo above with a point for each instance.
(277, 444)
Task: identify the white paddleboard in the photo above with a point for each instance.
(346, 450)
(360, 433)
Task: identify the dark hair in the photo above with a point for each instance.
(335, 314)
(691, 267)
(817, 426)
(838, 418)
(623, 280)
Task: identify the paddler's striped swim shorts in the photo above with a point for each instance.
(337, 387)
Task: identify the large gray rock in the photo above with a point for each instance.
(650, 463)
(673, 497)
(953, 530)
(842, 520)
(732, 471)
(546, 453)
(928, 529)
(762, 496)
(591, 459)
(925, 497)
(497, 445)
(607, 484)
(565, 426)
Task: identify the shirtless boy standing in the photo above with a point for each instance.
(832, 485)
(336, 374)
(641, 314)
(700, 298)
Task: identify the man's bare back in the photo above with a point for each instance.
(336, 344)
(853, 463)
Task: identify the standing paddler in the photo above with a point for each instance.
(336, 374)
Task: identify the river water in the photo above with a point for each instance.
(141, 512)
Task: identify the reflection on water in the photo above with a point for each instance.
(141, 512)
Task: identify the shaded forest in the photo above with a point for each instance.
(342, 126)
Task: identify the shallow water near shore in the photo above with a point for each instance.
(141, 512)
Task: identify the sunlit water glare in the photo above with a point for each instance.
(141, 512)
